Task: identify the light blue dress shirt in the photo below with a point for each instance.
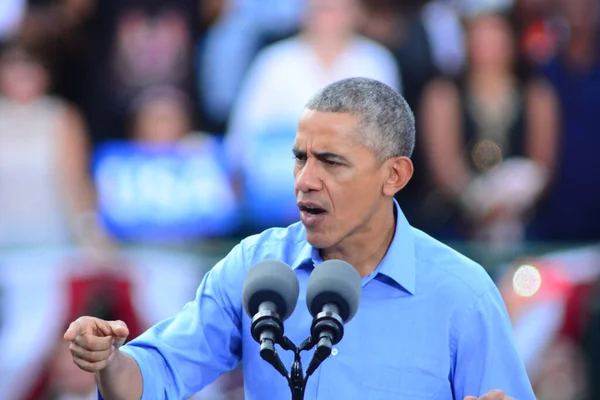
(431, 325)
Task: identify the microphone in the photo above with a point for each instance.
(269, 296)
(332, 297)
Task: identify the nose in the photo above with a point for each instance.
(307, 177)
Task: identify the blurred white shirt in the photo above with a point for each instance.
(283, 78)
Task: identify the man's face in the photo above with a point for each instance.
(339, 181)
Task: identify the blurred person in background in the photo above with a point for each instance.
(163, 115)
(569, 212)
(107, 52)
(59, 29)
(47, 194)
(195, 200)
(489, 140)
(93, 292)
(262, 125)
(139, 44)
(540, 31)
(402, 27)
(236, 31)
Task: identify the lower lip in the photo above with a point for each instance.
(311, 219)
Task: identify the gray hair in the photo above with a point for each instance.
(389, 121)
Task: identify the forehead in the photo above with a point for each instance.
(327, 130)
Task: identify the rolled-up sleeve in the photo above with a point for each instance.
(484, 353)
(181, 355)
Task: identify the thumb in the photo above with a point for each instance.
(470, 398)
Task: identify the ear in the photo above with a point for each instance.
(399, 170)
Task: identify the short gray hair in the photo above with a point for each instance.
(389, 121)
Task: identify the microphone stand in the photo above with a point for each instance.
(297, 380)
(326, 331)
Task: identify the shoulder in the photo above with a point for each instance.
(449, 272)
(368, 46)
(283, 244)
(443, 89)
(279, 52)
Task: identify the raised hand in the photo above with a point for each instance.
(94, 341)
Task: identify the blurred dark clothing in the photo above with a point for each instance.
(126, 46)
(415, 58)
(145, 43)
(509, 135)
(486, 145)
(417, 68)
(570, 211)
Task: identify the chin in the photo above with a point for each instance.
(319, 240)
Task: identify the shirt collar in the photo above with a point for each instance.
(398, 264)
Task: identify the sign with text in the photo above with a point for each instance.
(164, 192)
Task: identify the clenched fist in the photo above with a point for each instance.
(94, 341)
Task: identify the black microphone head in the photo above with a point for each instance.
(274, 281)
(334, 281)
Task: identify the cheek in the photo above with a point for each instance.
(352, 194)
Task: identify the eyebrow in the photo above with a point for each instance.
(323, 155)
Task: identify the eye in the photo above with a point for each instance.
(299, 158)
(332, 163)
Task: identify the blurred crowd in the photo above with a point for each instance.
(505, 94)
(171, 121)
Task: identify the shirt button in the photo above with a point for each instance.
(334, 351)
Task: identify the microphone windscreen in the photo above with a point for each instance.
(334, 281)
(274, 281)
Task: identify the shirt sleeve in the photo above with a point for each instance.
(181, 355)
(485, 356)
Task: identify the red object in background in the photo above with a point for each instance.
(105, 294)
(539, 42)
(578, 311)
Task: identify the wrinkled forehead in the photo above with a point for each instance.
(328, 130)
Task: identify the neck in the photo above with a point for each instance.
(489, 84)
(366, 248)
(327, 50)
(491, 79)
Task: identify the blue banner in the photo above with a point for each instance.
(164, 192)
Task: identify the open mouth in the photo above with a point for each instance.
(311, 210)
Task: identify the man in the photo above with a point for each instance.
(431, 323)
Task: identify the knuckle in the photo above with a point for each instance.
(90, 355)
(98, 356)
(88, 365)
(82, 364)
(73, 348)
(85, 342)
